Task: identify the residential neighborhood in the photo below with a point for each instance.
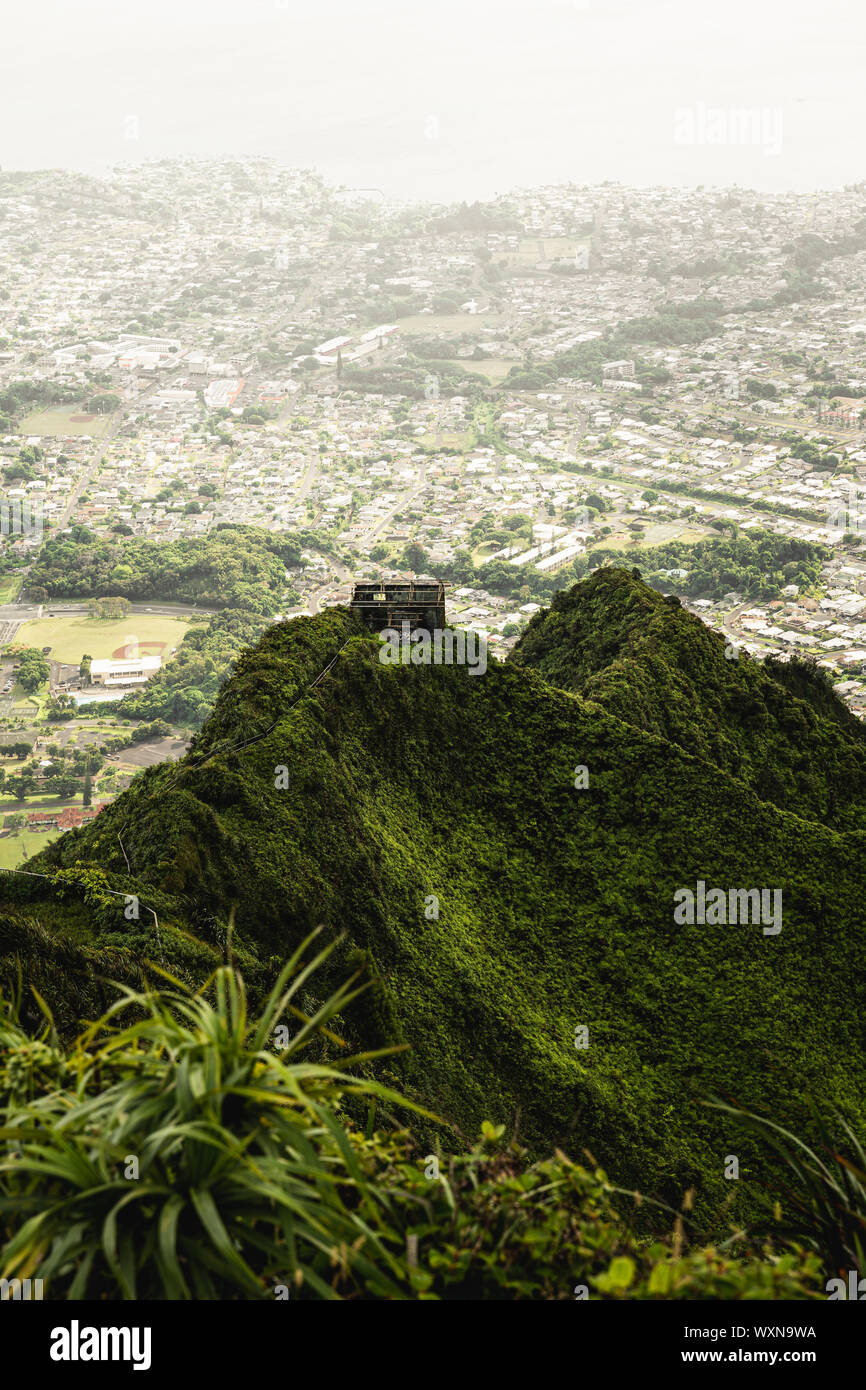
(191, 345)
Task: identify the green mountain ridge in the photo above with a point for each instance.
(778, 726)
(434, 817)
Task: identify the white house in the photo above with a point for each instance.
(127, 672)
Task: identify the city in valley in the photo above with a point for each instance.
(230, 390)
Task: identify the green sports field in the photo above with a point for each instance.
(65, 421)
(15, 848)
(72, 636)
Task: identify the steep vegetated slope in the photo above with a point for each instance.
(434, 817)
(776, 726)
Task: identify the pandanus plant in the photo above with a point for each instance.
(183, 1150)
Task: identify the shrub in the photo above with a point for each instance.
(178, 1151)
(496, 1227)
(180, 1155)
(826, 1193)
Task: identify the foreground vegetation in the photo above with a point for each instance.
(182, 1149)
(503, 853)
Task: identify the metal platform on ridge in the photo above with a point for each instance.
(421, 604)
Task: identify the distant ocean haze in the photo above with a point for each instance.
(460, 102)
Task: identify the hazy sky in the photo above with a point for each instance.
(457, 99)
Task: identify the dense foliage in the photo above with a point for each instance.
(755, 565)
(232, 566)
(181, 1156)
(495, 1226)
(500, 903)
(182, 1148)
(33, 669)
(824, 1188)
(776, 727)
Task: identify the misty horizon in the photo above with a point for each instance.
(464, 103)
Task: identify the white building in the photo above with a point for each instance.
(620, 370)
(129, 672)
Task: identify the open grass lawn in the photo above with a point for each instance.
(26, 704)
(39, 801)
(617, 540)
(95, 726)
(660, 532)
(686, 532)
(21, 844)
(448, 439)
(494, 368)
(70, 637)
(447, 323)
(65, 420)
(10, 585)
(692, 531)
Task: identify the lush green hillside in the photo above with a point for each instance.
(241, 567)
(555, 903)
(776, 726)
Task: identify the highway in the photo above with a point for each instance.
(20, 612)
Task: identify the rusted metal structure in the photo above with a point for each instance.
(420, 604)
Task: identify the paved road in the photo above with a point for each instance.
(309, 478)
(318, 598)
(373, 532)
(24, 612)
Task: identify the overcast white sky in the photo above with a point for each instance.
(457, 99)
